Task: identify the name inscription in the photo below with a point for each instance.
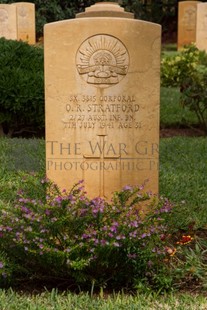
(90, 112)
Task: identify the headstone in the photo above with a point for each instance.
(187, 11)
(26, 22)
(201, 29)
(102, 85)
(8, 22)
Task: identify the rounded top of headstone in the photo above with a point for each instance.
(105, 9)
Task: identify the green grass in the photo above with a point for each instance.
(183, 177)
(9, 300)
(169, 47)
(172, 114)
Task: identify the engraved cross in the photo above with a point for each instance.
(102, 157)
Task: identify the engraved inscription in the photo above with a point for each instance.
(3, 16)
(3, 22)
(204, 26)
(24, 19)
(189, 18)
(102, 60)
(95, 112)
(23, 11)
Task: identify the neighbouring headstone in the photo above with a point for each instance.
(8, 22)
(187, 12)
(201, 29)
(26, 22)
(102, 87)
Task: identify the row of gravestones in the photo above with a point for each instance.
(192, 24)
(17, 21)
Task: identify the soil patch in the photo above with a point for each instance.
(188, 132)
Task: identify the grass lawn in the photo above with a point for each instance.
(171, 112)
(56, 301)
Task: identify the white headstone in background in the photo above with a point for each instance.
(187, 12)
(26, 22)
(201, 29)
(8, 22)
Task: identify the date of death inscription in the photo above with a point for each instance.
(92, 112)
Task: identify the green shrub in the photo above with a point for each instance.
(194, 96)
(176, 68)
(70, 237)
(188, 71)
(21, 87)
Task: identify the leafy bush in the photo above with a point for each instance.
(21, 87)
(194, 95)
(175, 69)
(67, 236)
(188, 71)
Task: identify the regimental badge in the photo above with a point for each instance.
(102, 60)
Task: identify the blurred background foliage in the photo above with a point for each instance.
(163, 12)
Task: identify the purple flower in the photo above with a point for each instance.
(110, 235)
(46, 180)
(58, 199)
(127, 188)
(1, 265)
(132, 255)
(26, 210)
(67, 250)
(118, 237)
(47, 212)
(85, 236)
(149, 263)
(95, 241)
(116, 244)
(104, 242)
(134, 224)
(8, 228)
(133, 234)
(113, 228)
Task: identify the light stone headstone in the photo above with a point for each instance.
(201, 29)
(102, 89)
(187, 12)
(8, 22)
(26, 22)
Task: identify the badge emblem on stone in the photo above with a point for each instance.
(102, 60)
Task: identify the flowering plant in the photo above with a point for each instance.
(66, 235)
